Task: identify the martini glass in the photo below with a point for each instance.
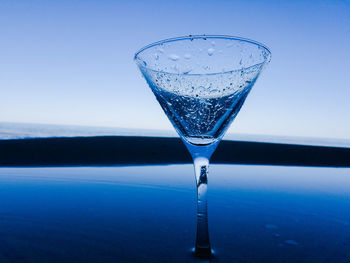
(201, 82)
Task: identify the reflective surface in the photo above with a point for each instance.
(147, 213)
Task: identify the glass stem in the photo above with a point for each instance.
(202, 249)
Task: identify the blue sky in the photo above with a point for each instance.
(71, 62)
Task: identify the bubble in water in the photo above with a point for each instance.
(211, 51)
(187, 56)
(200, 89)
(174, 57)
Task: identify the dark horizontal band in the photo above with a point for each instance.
(123, 150)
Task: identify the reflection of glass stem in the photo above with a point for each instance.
(201, 155)
(202, 248)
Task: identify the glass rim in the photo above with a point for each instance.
(228, 37)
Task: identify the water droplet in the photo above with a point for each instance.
(175, 68)
(160, 50)
(186, 70)
(271, 226)
(156, 56)
(206, 67)
(211, 51)
(187, 56)
(291, 242)
(174, 57)
(240, 62)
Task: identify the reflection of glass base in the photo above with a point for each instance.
(203, 253)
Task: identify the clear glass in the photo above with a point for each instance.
(201, 82)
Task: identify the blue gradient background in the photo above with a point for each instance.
(70, 62)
